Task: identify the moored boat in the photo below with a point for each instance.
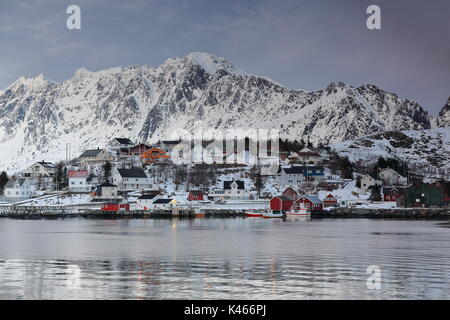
(299, 211)
(272, 214)
(253, 213)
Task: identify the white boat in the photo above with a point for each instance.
(272, 214)
(299, 211)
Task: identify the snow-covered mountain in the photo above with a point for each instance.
(38, 118)
(443, 119)
(427, 150)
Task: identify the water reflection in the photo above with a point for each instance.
(214, 259)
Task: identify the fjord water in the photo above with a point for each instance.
(223, 259)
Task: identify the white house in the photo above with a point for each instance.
(307, 156)
(131, 179)
(235, 190)
(164, 204)
(18, 188)
(391, 177)
(291, 176)
(145, 201)
(120, 143)
(106, 192)
(40, 169)
(94, 157)
(368, 181)
(79, 180)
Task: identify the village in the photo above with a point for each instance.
(126, 176)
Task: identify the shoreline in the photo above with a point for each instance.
(441, 214)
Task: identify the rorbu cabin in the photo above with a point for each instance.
(281, 203)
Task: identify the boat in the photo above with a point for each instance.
(272, 214)
(299, 211)
(253, 213)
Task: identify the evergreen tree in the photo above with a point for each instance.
(375, 194)
(3, 180)
(107, 171)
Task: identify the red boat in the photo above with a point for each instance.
(252, 213)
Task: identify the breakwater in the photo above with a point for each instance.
(399, 213)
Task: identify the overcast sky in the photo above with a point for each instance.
(300, 44)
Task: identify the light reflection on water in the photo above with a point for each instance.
(223, 259)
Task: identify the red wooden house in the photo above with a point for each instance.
(115, 207)
(391, 194)
(290, 193)
(280, 203)
(330, 201)
(195, 195)
(311, 202)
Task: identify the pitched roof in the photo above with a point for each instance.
(169, 142)
(12, 182)
(78, 173)
(162, 201)
(308, 154)
(196, 192)
(107, 184)
(132, 173)
(312, 198)
(283, 198)
(90, 153)
(147, 196)
(123, 140)
(294, 170)
(47, 164)
(240, 184)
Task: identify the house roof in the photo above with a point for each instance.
(301, 169)
(240, 184)
(308, 154)
(313, 199)
(78, 173)
(169, 142)
(90, 153)
(12, 182)
(147, 196)
(162, 201)
(283, 198)
(132, 173)
(123, 140)
(47, 164)
(196, 192)
(107, 184)
(294, 170)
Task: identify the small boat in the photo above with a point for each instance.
(299, 211)
(272, 214)
(253, 213)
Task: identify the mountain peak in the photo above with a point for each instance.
(210, 62)
(35, 83)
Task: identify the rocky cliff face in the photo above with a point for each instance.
(38, 118)
(443, 119)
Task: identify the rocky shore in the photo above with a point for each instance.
(413, 213)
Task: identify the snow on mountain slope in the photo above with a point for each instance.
(443, 119)
(424, 149)
(38, 118)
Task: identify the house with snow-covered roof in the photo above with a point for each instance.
(95, 157)
(40, 169)
(17, 189)
(79, 180)
(131, 179)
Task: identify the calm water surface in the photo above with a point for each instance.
(222, 259)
